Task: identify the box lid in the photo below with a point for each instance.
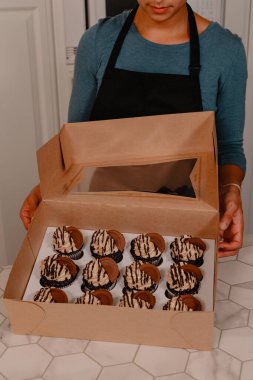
(133, 141)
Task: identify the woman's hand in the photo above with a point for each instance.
(231, 221)
(29, 206)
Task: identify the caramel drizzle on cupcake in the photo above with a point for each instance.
(144, 247)
(94, 273)
(128, 300)
(179, 279)
(63, 241)
(183, 249)
(44, 295)
(137, 278)
(102, 243)
(54, 270)
(176, 304)
(88, 298)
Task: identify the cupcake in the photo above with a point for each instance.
(68, 241)
(51, 295)
(57, 271)
(107, 243)
(185, 302)
(100, 274)
(148, 248)
(188, 249)
(140, 276)
(138, 300)
(96, 297)
(183, 279)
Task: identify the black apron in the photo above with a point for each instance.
(125, 93)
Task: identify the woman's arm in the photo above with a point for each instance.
(230, 118)
(29, 206)
(231, 213)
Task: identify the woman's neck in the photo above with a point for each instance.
(174, 30)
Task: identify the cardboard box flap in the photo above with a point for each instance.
(183, 140)
(138, 140)
(30, 315)
(21, 272)
(158, 328)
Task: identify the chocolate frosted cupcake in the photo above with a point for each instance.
(68, 241)
(140, 276)
(57, 271)
(148, 248)
(51, 295)
(183, 303)
(100, 274)
(97, 297)
(188, 249)
(138, 300)
(183, 279)
(107, 243)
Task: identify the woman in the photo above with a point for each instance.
(162, 58)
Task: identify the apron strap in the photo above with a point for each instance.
(194, 67)
(120, 39)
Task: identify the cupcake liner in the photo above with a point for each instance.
(198, 262)
(86, 285)
(72, 255)
(172, 292)
(151, 260)
(44, 282)
(116, 256)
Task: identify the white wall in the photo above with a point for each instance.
(29, 108)
(74, 21)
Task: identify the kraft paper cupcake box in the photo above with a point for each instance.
(179, 140)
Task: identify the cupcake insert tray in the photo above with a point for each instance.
(205, 294)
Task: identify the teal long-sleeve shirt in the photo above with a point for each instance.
(223, 75)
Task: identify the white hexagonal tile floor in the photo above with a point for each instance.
(238, 342)
(74, 367)
(216, 337)
(124, 372)
(230, 315)
(161, 361)
(226, 259)
(2, 308)
(24, 362)
(62, 346)
(2, 318)
(247, 371)
(106, 353)
(242, 294)
(43, 358)
(222, 291)
(10, 339)
(251, 319)
(215, 365)
(179, 376)
(246, 255)
(235, 272)
(4, 275)
(2, 348)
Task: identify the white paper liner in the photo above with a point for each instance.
(205, 294)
